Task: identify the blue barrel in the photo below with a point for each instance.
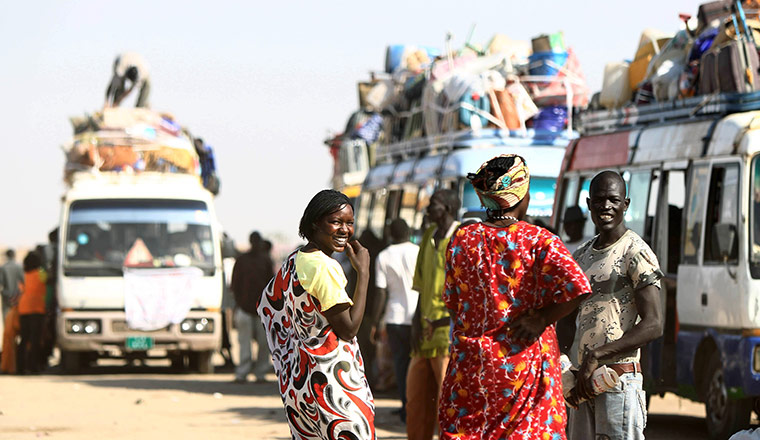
(393, 57)
(539, 63)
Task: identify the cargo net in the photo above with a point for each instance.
(129, 140)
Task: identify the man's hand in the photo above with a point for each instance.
(583, 384)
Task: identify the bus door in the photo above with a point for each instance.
(668, 214)
(708, 286)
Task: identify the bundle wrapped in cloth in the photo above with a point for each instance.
(129, 140)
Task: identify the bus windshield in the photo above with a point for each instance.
(105, 235)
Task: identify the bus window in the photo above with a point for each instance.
(638, 191)
(722, 208)
(590, 229)
(676, 181)
(754, 213)
(393, 204)
(694, 211)
(362, 214)
(377, 215)
(654, 194)
(542, 192)
(423, 200)
(470, 199)
(408, 204)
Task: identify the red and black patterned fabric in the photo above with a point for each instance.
(321, 376)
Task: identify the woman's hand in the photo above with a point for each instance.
(358, 255)
(528, 326)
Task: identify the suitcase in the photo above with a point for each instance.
(731, 67)
(711, 11)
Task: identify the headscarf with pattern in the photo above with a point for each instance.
(500, 186)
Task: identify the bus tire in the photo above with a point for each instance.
(724, 416)
(201, 361)
(71, 362)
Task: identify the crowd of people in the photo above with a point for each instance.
(470, 317)
(27, 294)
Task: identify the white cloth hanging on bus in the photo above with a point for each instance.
(155, 298)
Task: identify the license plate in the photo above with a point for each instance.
(139, 343)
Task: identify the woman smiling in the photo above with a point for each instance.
(311, 325)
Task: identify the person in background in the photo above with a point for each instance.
(397, 300)
(128, 66)
(311, 325)
(11, 274)
(367, 342)
(572, 223)
(31, 310)
(616, 320)
(507, 282)
(228, 300)
(250, 276)
(51, 298)
(430, 324)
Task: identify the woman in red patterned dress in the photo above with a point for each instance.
(507, 282)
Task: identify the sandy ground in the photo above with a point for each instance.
(157, 402)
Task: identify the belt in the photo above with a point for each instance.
(630, 367)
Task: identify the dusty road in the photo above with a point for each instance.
(157, 403)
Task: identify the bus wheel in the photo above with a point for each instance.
(724, 416)
(71, 362)
(200, 361)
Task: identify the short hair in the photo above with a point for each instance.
(573, 214)
(449, 198)
(607, 175)
(322, 204)
(399, 229)
(32, 261)
(10, 253)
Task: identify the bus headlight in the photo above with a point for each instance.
(197, 325)
(83, 326)
(756, 359)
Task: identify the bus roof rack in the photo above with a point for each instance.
(626, 118)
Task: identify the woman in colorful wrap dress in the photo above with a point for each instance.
(311, 325)
(507, 282)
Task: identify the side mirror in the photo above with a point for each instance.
(724, 239)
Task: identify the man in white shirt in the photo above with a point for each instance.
(394, 273)
(128, 66)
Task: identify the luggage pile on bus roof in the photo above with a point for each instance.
(426, 97)
(709, 66)
(135, 140)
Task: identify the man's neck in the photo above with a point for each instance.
(607, 238)
(443, 226)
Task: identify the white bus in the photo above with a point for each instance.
(167, 222)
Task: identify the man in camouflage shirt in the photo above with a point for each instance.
(621, 315)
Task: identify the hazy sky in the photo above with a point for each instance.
(263, 82)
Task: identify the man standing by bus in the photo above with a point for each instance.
(430, 324)
(624, 275)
